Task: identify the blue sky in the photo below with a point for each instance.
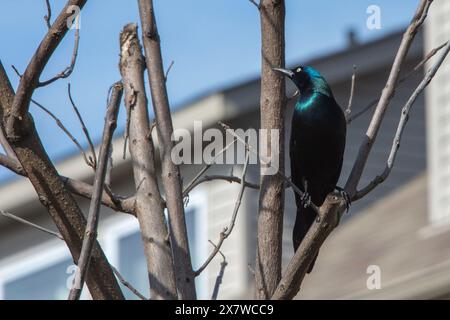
(213, 43)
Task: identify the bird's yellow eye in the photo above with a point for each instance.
(299, 69)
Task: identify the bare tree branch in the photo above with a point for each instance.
(168, 70)
(401, 126)
(11, 164)
(227, 230)
(49, 14)
(93, 158)
(31, 224)
(256, 4)
(5, 144)
(219, 177)
(328, 219)
(266, 161)
(149, 204)
(190, 185)
(79, 188)
(386, 95)
(171, 179)
(348, 111)
(68, 70)
(66, 131)
(219, 277)
(6, 99)
(85, 190)
(30, 79)
(400, 82)
(54, 196)
(128, 285)
(272, 101)
(90, 235)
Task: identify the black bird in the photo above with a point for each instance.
(317, 145)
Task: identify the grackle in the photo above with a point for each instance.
(317, 145)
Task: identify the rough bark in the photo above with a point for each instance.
(149, 205)
(170, 175)
(90, 235)
(271, 199)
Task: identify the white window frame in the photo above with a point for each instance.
(198, 200)
(32, 260)
(54, 251)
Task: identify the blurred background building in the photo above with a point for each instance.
(400, 228)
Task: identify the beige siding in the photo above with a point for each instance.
(221, 199)
(438, 113)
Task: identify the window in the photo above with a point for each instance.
(124, 245)
(196, 223)
(46, 271)
(132, 264)
(47, 267)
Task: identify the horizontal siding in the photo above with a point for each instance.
(438, 116)
(221, 199)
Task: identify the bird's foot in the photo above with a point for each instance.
(305, 199)
(344, 195)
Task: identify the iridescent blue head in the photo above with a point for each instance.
(307, 80)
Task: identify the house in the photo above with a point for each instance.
(34, 265)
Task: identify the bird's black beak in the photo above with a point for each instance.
(286, 72)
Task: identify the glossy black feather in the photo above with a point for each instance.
(317, 144)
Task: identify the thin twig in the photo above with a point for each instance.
(230, 179)
(83, 126)
(79, 188)
(6, 146)
(65, 130)
(59, 236)
(191, 184)
(219, 277)
(267, 162)
(168, 69)
(30, 80)
(49, 14)
(90, 161)
(92, 220)
(385, 98)
(401, 126)
(227, 230)
(127, 284)
(400, 83)
(257, 5)
(12, 164)
(31, 224)
(68, 70)
(348, 111)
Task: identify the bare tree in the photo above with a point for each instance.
(149, 205)
(271, 197)
(165, 240)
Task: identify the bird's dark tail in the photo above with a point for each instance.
(305, 218)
